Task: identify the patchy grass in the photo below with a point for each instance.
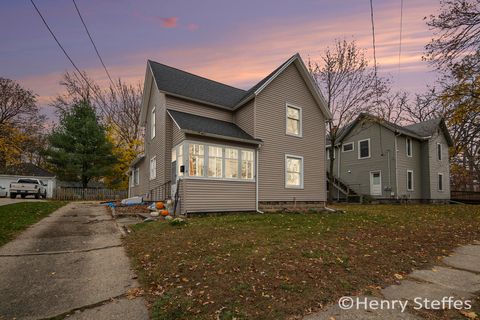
(274, 266)
(16, 217)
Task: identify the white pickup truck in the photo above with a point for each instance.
(26, 186)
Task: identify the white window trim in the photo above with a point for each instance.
(334, 153)
(301, 171)
(406, 147)
(300, 126)
(153, 124)
(186, 157)
(413, 180)
(441, 151)
(369, 148)
(438, 184)
(346, 144)
(154, 175)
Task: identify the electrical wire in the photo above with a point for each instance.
(93, 43)
(400, 39)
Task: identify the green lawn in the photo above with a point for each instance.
(275, 266)
(16, 217)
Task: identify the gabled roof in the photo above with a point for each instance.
(420, 131)
(185, 84)
(26, 169)
(193, 124)
(428, 128)
(189, 86)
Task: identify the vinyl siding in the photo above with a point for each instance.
(198, 109)
(244, 117)
(202, 195)
(270, 126)
(177, 135)
(437, 166)
(356, 172)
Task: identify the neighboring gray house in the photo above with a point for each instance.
(387, 161)
(228, 149)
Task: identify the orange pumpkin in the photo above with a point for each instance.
(159, 205)
(164, 213)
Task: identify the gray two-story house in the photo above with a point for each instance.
(386, 161)
(214, 147)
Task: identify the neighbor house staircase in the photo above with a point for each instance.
(345, 189)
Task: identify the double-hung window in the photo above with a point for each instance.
(439, 151)
(231, 163)
(196, 160)
(215, 162)
(294, 121)
(440, 182)
(364, 149)
(153, 124)
(293, 171)
(408, 145)
(409, 180)
(136, 176)
(153, 168)
(247, 164)
(347, 147)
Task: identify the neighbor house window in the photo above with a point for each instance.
(409, 180)
(231, 163)
(136, 176)
(440, 182)
(347, 147)
(294, 121)
(247, 164)
(196, 160)
(408, 144)
(293, 171)
(154, 120)
(328, 153)
(132, 178)
(153, 168)
(364, 149)
(215, 162)
(439, 151)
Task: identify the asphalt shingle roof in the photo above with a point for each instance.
(425, 128)
(185, 84)
(27, 169)
(204, 125)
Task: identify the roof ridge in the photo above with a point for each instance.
(196, 75)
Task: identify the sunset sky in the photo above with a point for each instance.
(235, 42)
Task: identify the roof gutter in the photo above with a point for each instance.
(217, 136)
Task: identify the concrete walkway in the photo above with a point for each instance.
(459, 279)
(70, 263)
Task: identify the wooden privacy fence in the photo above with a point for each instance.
(73, 193)
(466, 196)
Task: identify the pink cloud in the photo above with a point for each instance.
(193, 26)
(170, 22)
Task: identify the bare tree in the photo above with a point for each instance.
(349, 85)
(392, 107)
(424, 107)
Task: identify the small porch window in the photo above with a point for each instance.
(231, 163)
(215, 162)
(247, 164)
(196, 160)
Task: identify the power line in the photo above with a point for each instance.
(373, 40)
(93, 43)
(400, 39)
(65, 52)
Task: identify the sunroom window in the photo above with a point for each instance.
(231, 163)
(247, 164)
(215, 162)
(196, 160)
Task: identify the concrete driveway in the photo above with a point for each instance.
(70, 263)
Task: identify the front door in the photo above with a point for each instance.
(376, 183)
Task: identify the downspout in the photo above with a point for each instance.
(338, 170)
(389, 172)
(256, 181)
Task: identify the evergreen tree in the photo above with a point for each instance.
(79, 149)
